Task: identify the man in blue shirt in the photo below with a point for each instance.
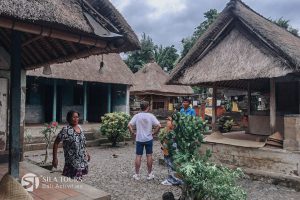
(186, 109)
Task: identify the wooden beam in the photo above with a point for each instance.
(85, 102)
(54, 107)
(15, 104)
(50, 32)
(214, 109)
(249, 104)
(41, 51)
(272, 105)
(50, 46)
(34, 53)
(60, 47)
(151, 102)
(34, 38)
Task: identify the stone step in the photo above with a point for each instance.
(40, 139)
(89, 143)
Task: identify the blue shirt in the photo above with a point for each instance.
(188, 111)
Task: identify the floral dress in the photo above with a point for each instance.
(76, 164)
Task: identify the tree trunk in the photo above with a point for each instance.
(46, 156)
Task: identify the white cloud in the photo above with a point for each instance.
(164, 7)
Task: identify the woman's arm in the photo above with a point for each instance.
(55, 147)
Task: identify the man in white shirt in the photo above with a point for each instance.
(144, 122)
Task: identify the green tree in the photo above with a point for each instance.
(187, 43)
(286, 25)
(164, 56)
(137, 59)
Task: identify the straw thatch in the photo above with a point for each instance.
(88, 69)
(240, 45)
(151, 80)
(60, 31)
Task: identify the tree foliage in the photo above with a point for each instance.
(286, 25)
(164, 56)
(187, 43)
(203, 179)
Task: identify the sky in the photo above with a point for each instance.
(168, 21)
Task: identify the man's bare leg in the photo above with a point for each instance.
(138, 160)
(149, 163)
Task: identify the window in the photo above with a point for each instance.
(158, 105)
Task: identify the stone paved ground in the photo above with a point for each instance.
(113, 175)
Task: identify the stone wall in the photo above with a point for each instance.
(266, 159)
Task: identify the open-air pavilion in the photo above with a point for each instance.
(37, 34)
(245, 51)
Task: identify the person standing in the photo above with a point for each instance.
(76, 156)
(186, 109)
(144, 123)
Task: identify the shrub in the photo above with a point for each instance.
(225, 124)
(203, 180)
(114, 126)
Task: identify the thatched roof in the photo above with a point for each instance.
(87, 69)
(60, 31)
(240, 45)
(151, 79)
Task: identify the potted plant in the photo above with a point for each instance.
(49, 132)
(114, 127)
(225, 124)
(202, 179)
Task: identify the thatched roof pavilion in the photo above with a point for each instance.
(69, 26)
(88, 69)
(244, 50)
(240, 45)
(151, 79)
(39, 33)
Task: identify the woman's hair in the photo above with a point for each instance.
(168, 196)
(70, 115)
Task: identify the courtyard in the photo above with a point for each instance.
(111, 170)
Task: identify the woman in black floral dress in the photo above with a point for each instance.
(76, 156)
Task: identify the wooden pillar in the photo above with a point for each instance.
(109, 98)
(272, 106)
(214, 109)
(127, 99)
(151, 102)
(299, 96)
(54, 107)
(84, 102)
(15, 104)
(249, 104)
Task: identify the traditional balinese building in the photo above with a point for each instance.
(150, 85)
(92, 86)
(34, 34)
(246, 51)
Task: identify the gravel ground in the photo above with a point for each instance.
(114, 175)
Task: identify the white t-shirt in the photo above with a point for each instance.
(144, 122)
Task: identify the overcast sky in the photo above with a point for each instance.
(168, 21)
